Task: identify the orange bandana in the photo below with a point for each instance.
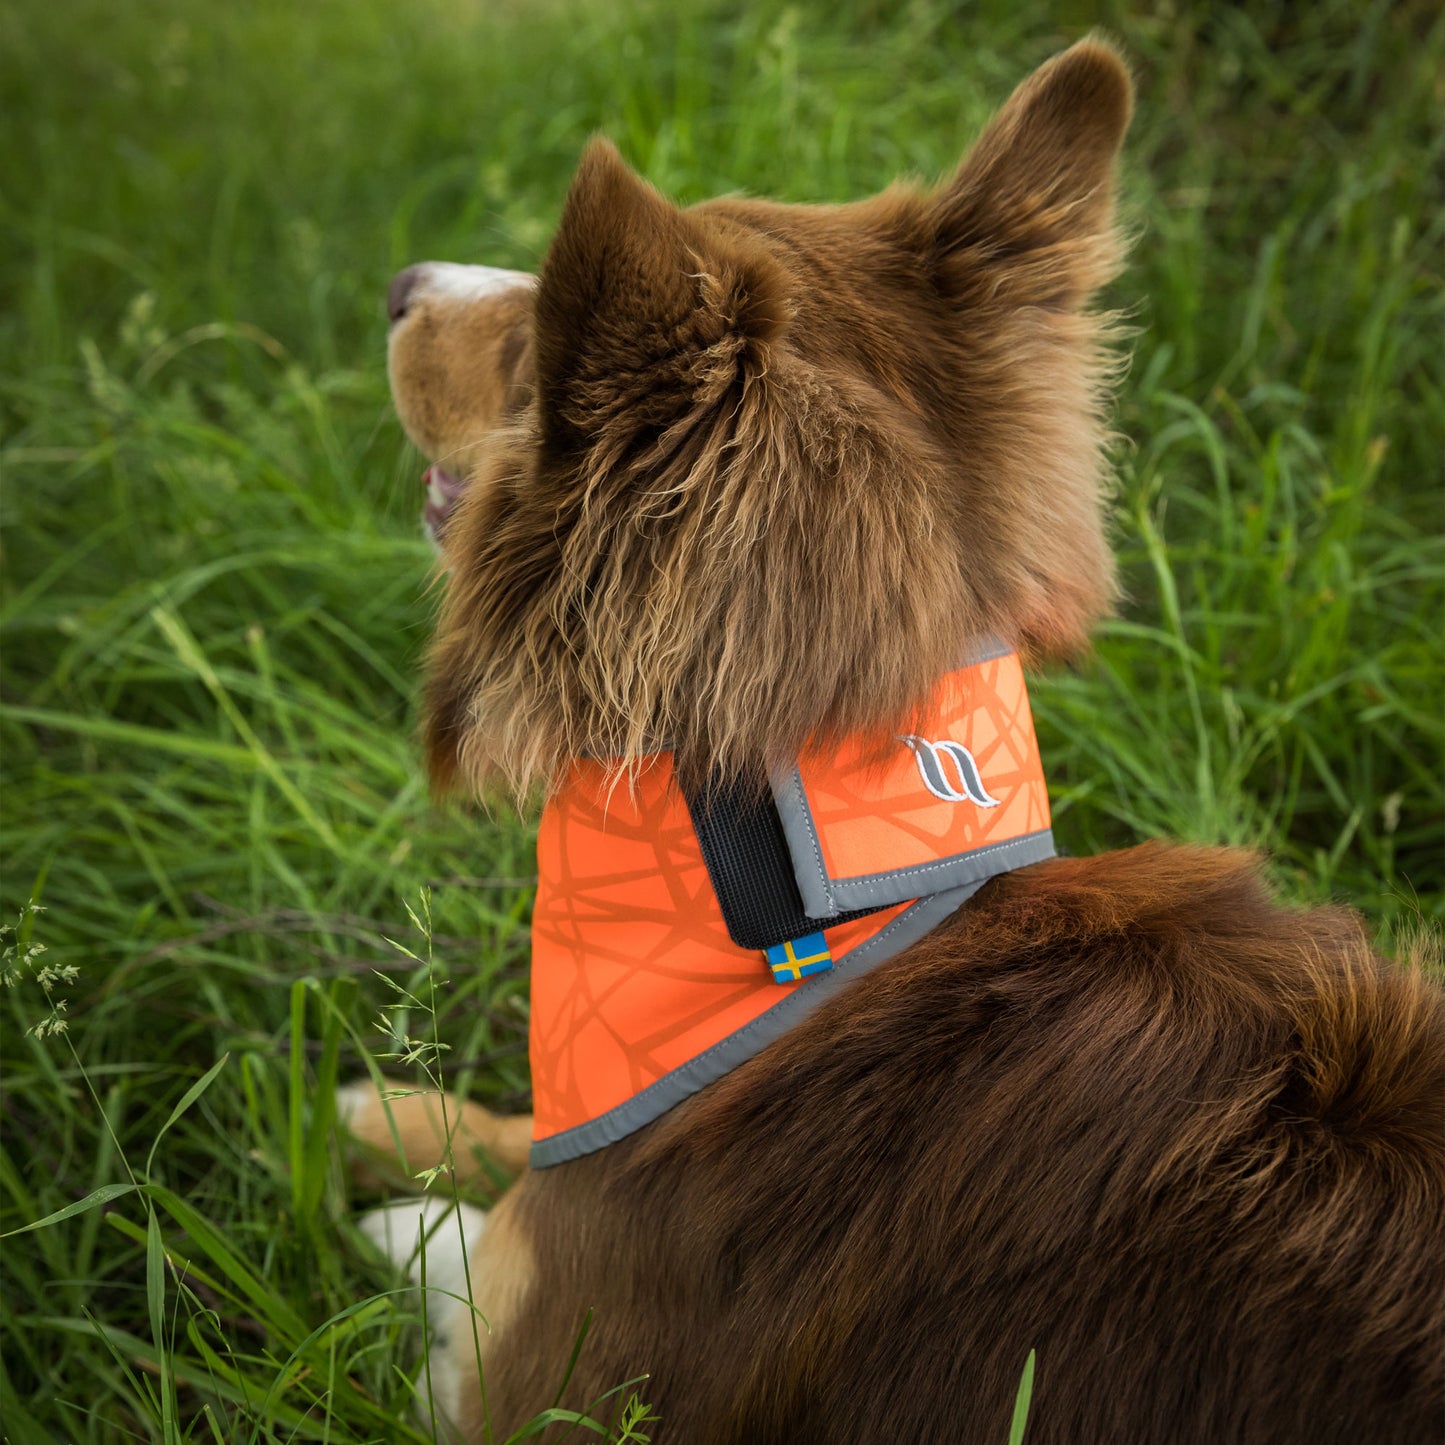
(640, 996)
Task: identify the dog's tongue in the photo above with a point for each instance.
(442, 491)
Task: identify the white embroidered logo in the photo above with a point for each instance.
(930, 759)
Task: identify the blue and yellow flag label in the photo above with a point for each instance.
(798, 958)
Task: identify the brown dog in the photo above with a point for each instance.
(745, 477)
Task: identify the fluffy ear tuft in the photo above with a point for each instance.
(1030, 212)
(642, 307)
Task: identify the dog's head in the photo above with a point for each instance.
(742, 475)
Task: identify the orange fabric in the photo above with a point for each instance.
(873, 815)
(633, 971)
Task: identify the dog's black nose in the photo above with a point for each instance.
(399, 292)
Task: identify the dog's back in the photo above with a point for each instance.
(1123, 1111)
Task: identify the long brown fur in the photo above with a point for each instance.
(756, 476)
(784, 462)
(1122, 1111)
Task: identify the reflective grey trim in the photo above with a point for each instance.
(880, 889)
(724, 1056)
(824, 896)
(986, 651)
(800, 831)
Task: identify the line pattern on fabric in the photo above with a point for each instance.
(725, 1055)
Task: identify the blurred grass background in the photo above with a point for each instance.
(214, 600)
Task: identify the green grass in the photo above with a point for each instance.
(213, 604)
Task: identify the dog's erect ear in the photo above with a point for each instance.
(1030, 214)
(643, 309)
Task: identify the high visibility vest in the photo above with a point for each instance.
(640, 995)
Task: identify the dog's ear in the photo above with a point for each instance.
(1030, 214)
(643, 309)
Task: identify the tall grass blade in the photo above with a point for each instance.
(1021, 1403)
(104, 1195)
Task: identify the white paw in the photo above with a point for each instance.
(443, 1232)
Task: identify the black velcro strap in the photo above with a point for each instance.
(749, 864)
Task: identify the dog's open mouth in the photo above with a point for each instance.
(442, 493)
